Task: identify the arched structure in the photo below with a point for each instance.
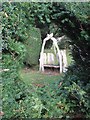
(60, 53)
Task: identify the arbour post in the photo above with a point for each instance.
(64, 60)
(59, 54)
(41, 68)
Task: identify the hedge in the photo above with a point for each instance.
(33, 46)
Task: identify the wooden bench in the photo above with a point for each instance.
(52, 66)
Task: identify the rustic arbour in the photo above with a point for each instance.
(62, 60)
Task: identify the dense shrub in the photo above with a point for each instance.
(75, 95)
(13, 53)
(13, 88)
(33, 46)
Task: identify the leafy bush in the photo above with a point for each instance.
(13, 53)
(75, 96)
(33, 46)
(12, 85)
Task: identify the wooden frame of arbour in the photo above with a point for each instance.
(61, 55)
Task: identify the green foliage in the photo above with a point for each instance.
(49, 101)
(77, 29)
(64, 43)
(13, 22)
(33, 46)
(80, 10)
(15, 28)
(12, 85)
(13, 31)
(76, 96)
(13, 53)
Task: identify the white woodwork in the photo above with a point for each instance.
(64, 60)
(44, 58)
(49, 57)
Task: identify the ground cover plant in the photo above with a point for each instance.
(67, 98)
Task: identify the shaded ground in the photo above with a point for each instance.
(35, 77)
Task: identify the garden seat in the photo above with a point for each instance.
(51, 60)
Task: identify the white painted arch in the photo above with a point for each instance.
(50, 37)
